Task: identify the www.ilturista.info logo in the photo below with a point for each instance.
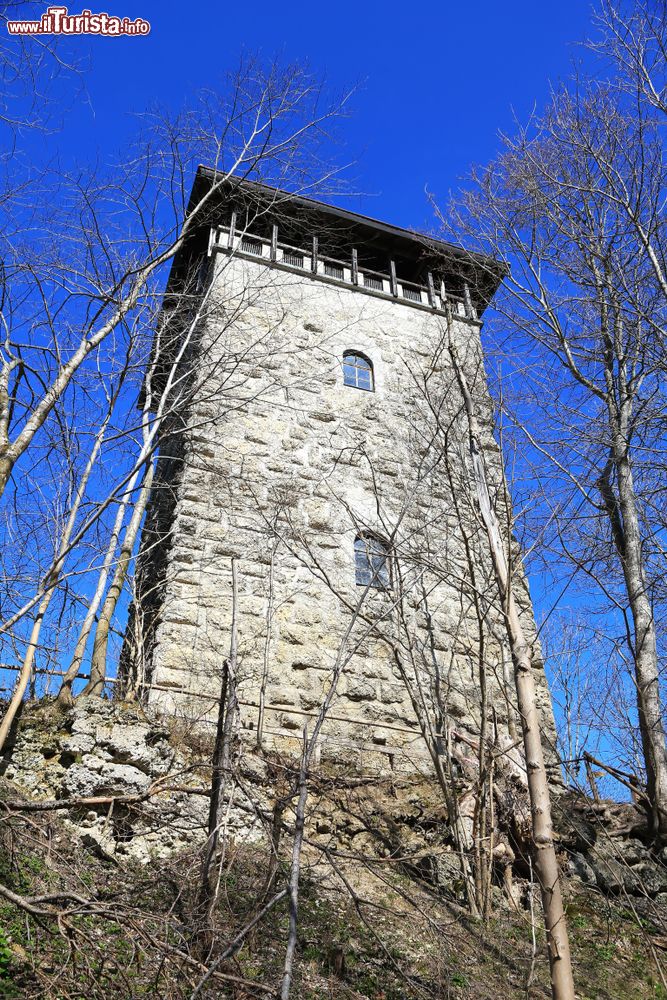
(58, 21)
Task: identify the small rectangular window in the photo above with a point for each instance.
(363, 379)
(371, 563)
(360, 378)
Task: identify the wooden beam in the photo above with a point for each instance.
(313, 262)
(232, 231)
(274, 243)
(355, 267)
(392, 277)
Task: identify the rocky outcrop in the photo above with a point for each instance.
(606, 846)
(101, 749)
(150, 780)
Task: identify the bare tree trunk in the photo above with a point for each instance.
(53, 577)
(99, 660)
(295, 869)
(217, 773)
(238, 940)
(309, 746)
(276, 834)
(627, 539)
(65, 694)
(267, 648)
(221, 766)
(445, 781)
(232, 703)
(205, 900)
(546, 865)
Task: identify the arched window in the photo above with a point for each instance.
(371, 562)
(358, 371)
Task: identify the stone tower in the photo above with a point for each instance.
(314, 437)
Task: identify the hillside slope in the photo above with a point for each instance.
(100, 899)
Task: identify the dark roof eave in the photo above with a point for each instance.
(484, 261)
(485, 273)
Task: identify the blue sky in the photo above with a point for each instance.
(437, 80)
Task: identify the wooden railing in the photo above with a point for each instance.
(433, 295)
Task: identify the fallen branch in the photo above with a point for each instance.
(30, 903)
(49, 805)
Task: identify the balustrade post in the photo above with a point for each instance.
(470, 312)
(392, 278)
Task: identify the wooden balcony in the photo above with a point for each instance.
(432, 296)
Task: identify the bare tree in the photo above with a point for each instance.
(565, 206)
(56, 569)
(632, 37)
(30, 70)
(546, 864)
(245, 134)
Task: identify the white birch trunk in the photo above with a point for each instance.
(546, 865)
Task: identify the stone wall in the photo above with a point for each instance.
(282, 466)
